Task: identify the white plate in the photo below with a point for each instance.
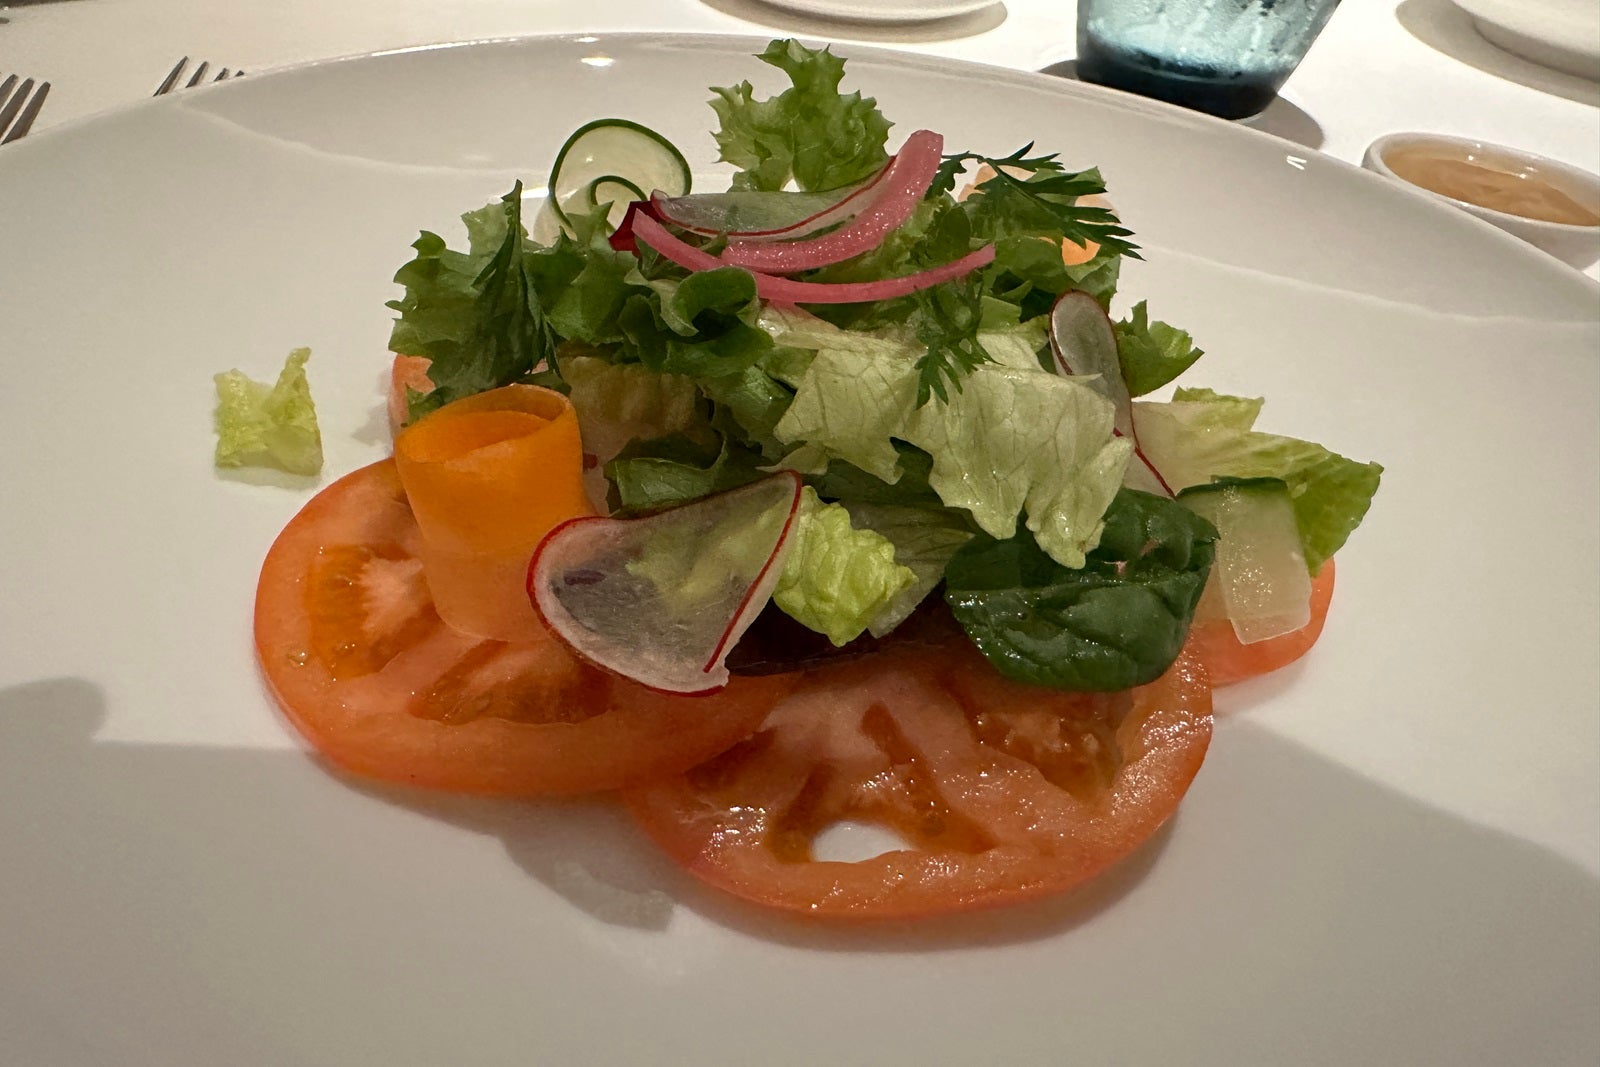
(1391, 855)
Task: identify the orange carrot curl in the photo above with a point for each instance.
(487, 477)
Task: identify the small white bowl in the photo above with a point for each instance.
(1577, 245)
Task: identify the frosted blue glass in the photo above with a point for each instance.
(1226, 57)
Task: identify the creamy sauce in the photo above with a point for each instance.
(1528, 195)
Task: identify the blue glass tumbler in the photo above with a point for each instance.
(1224, 57)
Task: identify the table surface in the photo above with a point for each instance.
(1380, 66)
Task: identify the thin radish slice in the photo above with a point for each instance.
(893, 199)
(1084, 342)
(761, 215)
(663, 599)
(639, 224)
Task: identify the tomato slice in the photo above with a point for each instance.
(1228, 661)
(352, 648)
(1002, 791)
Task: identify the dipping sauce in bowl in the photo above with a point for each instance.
(1513, 192)
(1549, 204)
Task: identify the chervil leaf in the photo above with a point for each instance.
(946, 321)
(1042, 203)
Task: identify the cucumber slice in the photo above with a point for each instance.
(615, 160)
(1259, 580)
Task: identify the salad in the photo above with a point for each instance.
(825, 498)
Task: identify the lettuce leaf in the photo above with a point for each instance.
(617, 402)
(490, 330)
(837, 579)
(810, 133)
(1202, 435)
(924, 540)
(261, 425)
(1013, 440)
(1152, 353)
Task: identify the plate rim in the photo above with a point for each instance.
(1581, 286)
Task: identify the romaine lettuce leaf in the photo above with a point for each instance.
(1201, 435)
(837, 579)
(261, 425)
(1012, 440)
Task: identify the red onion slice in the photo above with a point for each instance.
(1084, 342)
(786, 290)
(893, 199)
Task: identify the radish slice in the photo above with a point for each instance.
(641, 225)
(892, 201)
(663, 599)
(1084, 342)
(760, 215)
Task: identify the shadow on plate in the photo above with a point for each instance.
(1446, 28)
(1281, 118)
(149, 880)
(951, 28)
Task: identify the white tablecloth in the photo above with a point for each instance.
(1380, 66)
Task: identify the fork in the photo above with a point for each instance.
(16, 104)
(171, 81)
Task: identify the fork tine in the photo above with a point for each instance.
(29, 113)
(171, 78)
(172, 81)
(9, 106)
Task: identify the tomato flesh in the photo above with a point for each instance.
(1002, 791)
(354, 652)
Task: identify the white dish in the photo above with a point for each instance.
(1390, 856)
(883, 10)
(1561, 34)
(1574, 244)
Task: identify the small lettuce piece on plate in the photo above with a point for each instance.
(837, 579)
(261, 425)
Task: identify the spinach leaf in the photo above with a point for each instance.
(1118, 622)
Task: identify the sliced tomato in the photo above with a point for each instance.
(1001, 791)
(354, 652)
(1229, 661)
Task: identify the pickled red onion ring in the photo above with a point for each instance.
(788, 291)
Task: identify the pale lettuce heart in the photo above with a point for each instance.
(837, 579)
(924, 539)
